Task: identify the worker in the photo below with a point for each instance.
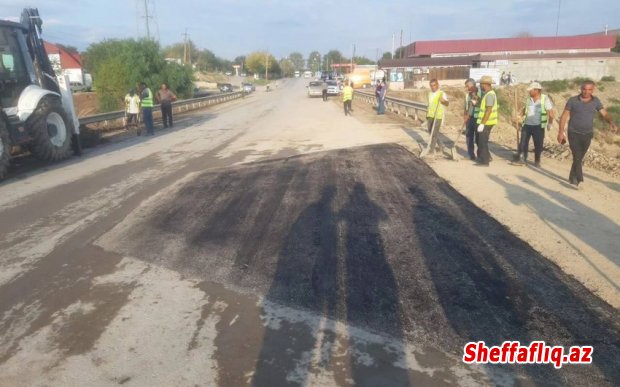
(347, 98)
(146, 102)
(470, 116)
(165, 97)
(437, 99)
(324, 90)
(132, 109)
(487, 119)
(579, 114)
(538, 115)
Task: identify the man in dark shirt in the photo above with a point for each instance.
(579, 113)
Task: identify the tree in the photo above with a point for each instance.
(387, 55)
(298, 60)
(314, 61)
(617, 48)
(118, 65)
(240, 60)
(257, 61)
(287, 67)
(335, 56)
(362, 60)
(400, 53)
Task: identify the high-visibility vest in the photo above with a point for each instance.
(483, 107)
(147, 102)
(544, 114)
(435, 108)
(347, 93)
(476, 106)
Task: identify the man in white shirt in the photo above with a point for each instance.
(538, 115)
(132, 108)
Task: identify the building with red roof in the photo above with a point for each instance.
(68, 63)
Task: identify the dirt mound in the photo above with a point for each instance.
(86, 104)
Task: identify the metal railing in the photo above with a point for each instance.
(398, 106)
(112, 119)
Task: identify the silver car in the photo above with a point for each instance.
(315, 89)
(332, 88)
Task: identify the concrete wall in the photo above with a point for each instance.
(548, 70)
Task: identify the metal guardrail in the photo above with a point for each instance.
(398, 106)
(178, 106)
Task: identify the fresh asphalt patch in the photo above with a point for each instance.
(372, 237)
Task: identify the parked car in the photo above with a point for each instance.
(244, 74)
(315, 89)
(228, 73)
(225, 87)
(332, 88)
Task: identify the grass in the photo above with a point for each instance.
(608, 78)
(556, 86)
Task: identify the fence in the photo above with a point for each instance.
(398, 106)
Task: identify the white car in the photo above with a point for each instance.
(332, 88)
(228, 73)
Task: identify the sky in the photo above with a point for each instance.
(231, 28)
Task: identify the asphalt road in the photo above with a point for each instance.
(273, 241)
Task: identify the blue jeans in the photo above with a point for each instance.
(147, 116)
(381, 106)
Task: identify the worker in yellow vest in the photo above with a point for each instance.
(146, 103)
(347, 98)
(538, 115)
(487, 119)
(437, 100)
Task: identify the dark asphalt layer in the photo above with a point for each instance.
(373, 237)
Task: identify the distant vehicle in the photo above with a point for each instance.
(225, 87)
(361, 77)
(318, 75)
(307, 74)
(248, 87)
(244, 74)
(333, 88)
(228, 73)
(315, 89)
(297, 74)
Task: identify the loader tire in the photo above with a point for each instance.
(49, 127)
(5, 149)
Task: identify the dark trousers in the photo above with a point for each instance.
(347, 107)
(380, 105)
(166, 113)
(484, 156)
(579, 144)
(147, 116)
(472, 136)
(538, 134)
(324, 95)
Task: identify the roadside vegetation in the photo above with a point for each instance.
(118, 65)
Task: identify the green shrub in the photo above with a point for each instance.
(608, 78)
(555, 86)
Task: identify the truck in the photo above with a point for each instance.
(36, 106)
(362, 76)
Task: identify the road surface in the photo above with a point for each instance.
(272, 241)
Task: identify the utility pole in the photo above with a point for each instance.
(146, 18)
(557, 24)
(393, 48)
(186, 54)
(266, 65)
(400, 50)
(352, 56)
